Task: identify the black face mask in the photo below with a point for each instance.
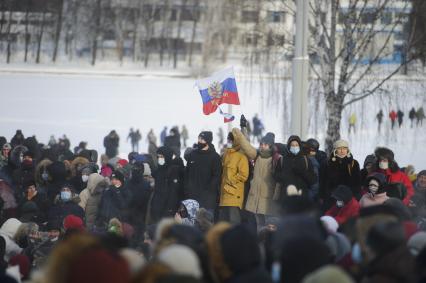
(201, 145)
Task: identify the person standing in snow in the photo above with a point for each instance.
(172, 141)
(257, 128)
(184, 135)
(400, 117)
(412, 116)
(352, 122)
(111, 142)
(393, 116)
(379, 118)
(163, 135)
(420, 115)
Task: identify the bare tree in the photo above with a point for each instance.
(27, 34)
(58, 29)
(346, 58)
(41, 32)
(195, 18)
(97, 13)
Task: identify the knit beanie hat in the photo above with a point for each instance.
(73, 222)
(342, 193)
(207, 136)
(118, 175)
(269, 139)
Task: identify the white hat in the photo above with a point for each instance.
(340, 143)
(417, 242)
(330, 223)
(182, 260)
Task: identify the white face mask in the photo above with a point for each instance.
(384, 165)
(161, 161)
(229, 145)
(340, 203)
(85, 178)
(373, 186)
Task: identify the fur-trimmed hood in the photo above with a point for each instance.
(95, 180)
(41, 166)
(15, 155)
(214, 248)
(78, 162)
(10, 227)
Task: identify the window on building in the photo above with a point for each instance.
(368, 17)
(275, 16)
(250, 16)
(386, 18)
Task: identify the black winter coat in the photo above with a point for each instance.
(114, 204)
(167, 192)
(60, 210)
(203, 177)
(111, 145)
(295, 170)
(20, 177)
(138, 204)
(341, 171)
(173, 142)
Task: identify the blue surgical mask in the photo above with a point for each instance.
(45, 176)
(65, 195)
(356, 253)
(294, 149)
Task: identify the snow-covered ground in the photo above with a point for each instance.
(86, 106)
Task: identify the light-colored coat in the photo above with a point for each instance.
(368, 200)
(91, 196)
(262, 188)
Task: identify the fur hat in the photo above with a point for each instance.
(181, 259)
(384, 153)
(269, 139)
(7, 146)
(207, 136)
(340, 143)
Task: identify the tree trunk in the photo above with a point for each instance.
(40, 36)
(27, 35)
(9, 36)
(176, 40)
(334, 104)
(96, 33)
(136, 16)
(191, 45)
(58, 30)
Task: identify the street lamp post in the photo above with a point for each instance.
(299, 113)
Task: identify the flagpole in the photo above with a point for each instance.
(230, 123)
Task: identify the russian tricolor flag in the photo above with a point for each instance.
(219, 88)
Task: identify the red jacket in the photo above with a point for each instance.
(351, 209)
(399, 177)
(393, 115)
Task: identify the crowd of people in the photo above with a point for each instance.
(278, 212)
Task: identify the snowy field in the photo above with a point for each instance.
(86, 107)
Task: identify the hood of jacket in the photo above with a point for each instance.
(10, 227)
(93, 181)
